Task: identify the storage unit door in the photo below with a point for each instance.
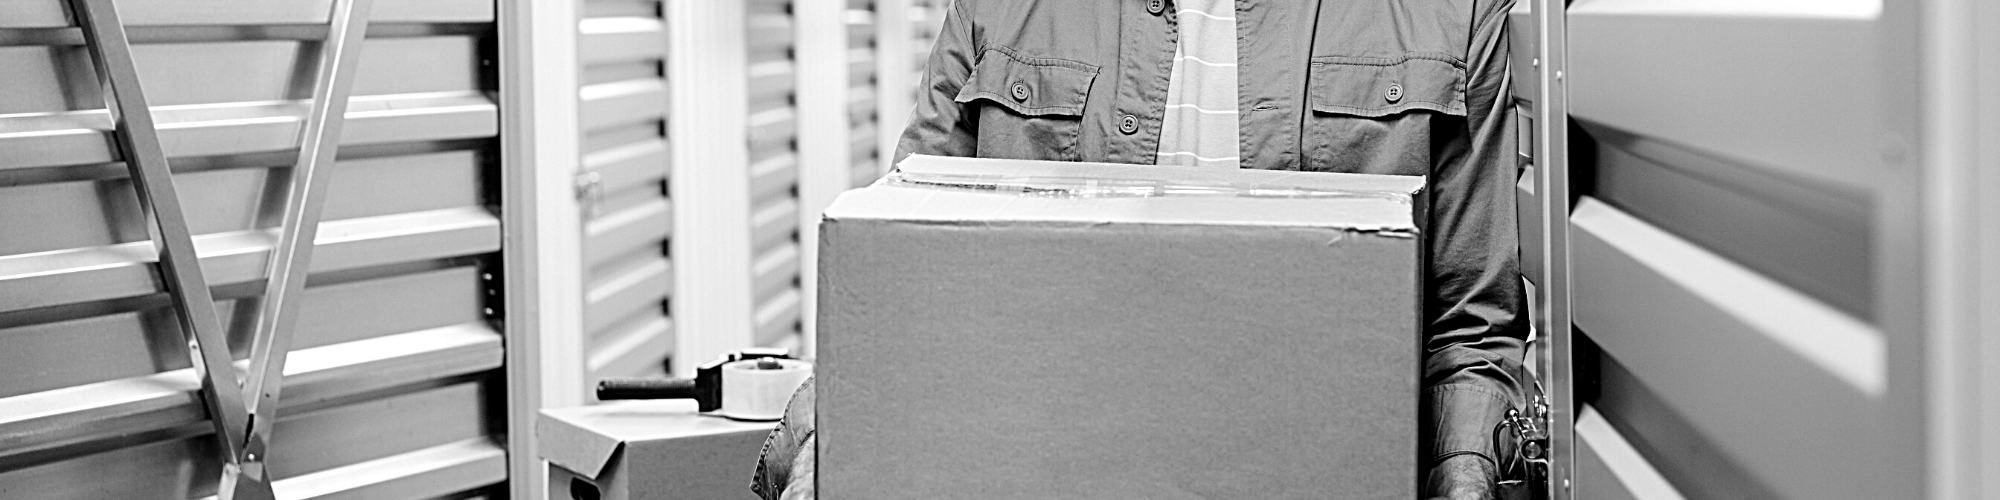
(774, 175)
(926, 18)
(1732, 253)
(622, 182)
(862, 79)
(393, 388)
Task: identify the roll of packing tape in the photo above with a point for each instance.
(751, 391)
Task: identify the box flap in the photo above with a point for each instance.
(985, 191)
(573, 445)
(585, 439)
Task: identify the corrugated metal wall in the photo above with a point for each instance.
(622, 184)
(774, 173)
(393, 389)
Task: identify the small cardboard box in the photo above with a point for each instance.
(647, 450)
(1081, 339)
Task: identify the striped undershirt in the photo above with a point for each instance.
(1200, 125)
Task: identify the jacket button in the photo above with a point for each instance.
(1156, 6)
(1395, 92)
(1129, 125)
(1020, 91)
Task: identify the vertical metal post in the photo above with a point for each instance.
(1987, 167)
(138, 143)
(1900, 236)
(1552, 185)
(541, 283)
(824, 157)
(1948, 34)
(706, 70)
(291, 258)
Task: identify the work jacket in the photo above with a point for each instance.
(1367, 86)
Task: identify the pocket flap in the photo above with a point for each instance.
(1033, 86)
(1375, 86)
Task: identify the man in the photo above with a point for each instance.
(1369, 86)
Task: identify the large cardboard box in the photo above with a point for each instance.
(1008, 330)
(648, 450)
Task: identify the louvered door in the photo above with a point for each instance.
(774, 173)
(862, 96)
(622, 188)
(926, 18)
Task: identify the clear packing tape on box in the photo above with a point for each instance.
(1043, 186)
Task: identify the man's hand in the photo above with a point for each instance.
(1462, 477)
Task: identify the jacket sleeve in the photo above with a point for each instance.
(1478, 331)
(790, 456)
(939, 125)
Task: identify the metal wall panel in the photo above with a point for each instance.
(1753, 219)
(628, 218)
(1774, 248)
(1609, 468)
(774, 173)
(1745, 251)
(1779, 372)
(1651, 67)
(1793, 166)
(393, 382)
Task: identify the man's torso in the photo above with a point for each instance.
(1376, 86)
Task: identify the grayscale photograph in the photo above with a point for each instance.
(999, 249)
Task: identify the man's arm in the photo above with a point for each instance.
(786, 465)
(1473, 371)
(939, 125)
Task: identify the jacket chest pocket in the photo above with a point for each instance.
(1380, 115)
(1026, 108)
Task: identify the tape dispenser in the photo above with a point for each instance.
(751, 384)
